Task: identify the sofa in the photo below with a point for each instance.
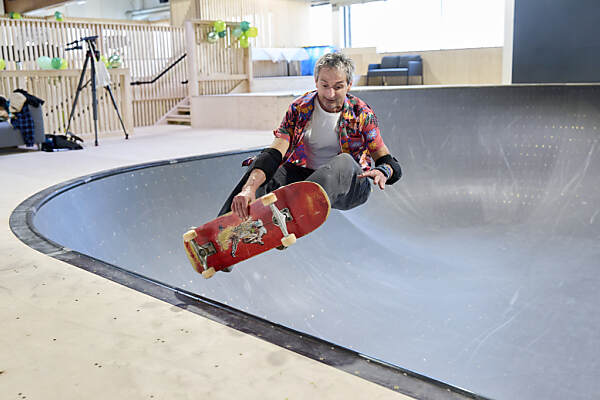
(11, 137)
(394, 66)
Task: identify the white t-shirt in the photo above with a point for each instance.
(321, 142)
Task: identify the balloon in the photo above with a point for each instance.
(212, 37)
(237, 32)
(222, 34)
(219, 26)
(44, 62)
(63, 64)
(252, 32)
(15, 15)
(115, 61)
(2, 64)
(56, 62)
(105, 61)
(244, 41)
(58, 15)
(245, 25)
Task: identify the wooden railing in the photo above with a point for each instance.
(146, 49)
(257, 12)
(216, 68)
(58, 88)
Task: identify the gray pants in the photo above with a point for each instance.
(339, 178)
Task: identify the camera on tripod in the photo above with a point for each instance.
(99, 77)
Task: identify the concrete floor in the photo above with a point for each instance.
(70, 334)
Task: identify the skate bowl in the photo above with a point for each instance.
(478, 270)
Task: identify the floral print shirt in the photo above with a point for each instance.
(357, 129)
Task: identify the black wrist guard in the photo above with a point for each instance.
(268, 161)
(386, 171)
(392, 162)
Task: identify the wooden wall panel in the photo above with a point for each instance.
(58, 89)
(146, 49)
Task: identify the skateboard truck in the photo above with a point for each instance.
(280, 218)
(201, 252)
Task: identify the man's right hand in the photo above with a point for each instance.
(241, 203)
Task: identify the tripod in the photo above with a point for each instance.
(94, 56)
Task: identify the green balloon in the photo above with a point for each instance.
(58, 15)
(244, 41)
(212, 37)
(115, 61)
(237, 32)
(44, 62)
(252, 32)
(56, 62)
(63, 64)
(245, 25)
(2, 64)
(219, 26)
(222, 34)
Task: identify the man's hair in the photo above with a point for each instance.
(336, 61)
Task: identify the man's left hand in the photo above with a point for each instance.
(378, 177)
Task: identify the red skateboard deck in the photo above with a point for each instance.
(276, 219)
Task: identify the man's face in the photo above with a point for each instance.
(331, 89)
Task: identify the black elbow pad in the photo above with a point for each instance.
(392, 162)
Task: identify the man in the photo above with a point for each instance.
(327, 136)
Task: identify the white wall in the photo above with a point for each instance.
(106, 9)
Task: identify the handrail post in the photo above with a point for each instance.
(249, 68)
(127, 100)
(190, 41)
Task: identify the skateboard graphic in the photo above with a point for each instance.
(276, 219)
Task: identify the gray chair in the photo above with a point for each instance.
(415, 67)
(11, 137)
(392, 66)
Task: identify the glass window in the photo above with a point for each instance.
(319, 33)
(410, 25)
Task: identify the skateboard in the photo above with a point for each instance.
(276, 219)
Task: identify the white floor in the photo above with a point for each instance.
(69, 334)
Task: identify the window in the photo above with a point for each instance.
(319, 33)
(410, 25)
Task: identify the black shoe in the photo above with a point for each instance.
(281, 247)
(228, 269)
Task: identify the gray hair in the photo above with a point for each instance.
(336, 61)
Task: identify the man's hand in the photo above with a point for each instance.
(241, 203)
(378, 177)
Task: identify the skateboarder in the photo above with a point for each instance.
(327, 136)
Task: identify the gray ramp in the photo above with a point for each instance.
(479, 268)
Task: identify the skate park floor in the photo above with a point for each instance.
(71, 334)
(476, 271)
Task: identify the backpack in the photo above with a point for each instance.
(61, 142)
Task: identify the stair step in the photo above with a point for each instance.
(179, 119)
(185, 110)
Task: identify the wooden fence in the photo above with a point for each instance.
(254, 11)
(216, 68)
(58, 89)
(145, 50)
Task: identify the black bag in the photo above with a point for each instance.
(61, 142)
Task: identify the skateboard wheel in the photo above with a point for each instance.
(208, 273)
(189, 236)
(288, 240)
(268, 199)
